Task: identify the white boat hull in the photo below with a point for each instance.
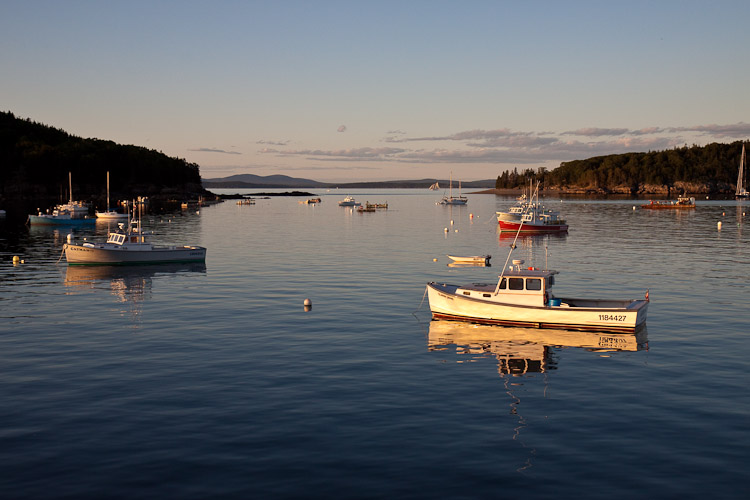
(110, 255)
(576, 314)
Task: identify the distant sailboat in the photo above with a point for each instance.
(435, 187)
(741, 192)
(453, 200)
(110, 214)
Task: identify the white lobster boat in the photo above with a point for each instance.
(523, 297)
(128, 246)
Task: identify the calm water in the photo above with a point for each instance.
(214, 382)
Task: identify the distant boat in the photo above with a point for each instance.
(682, 202)
(128, 246)
(59, 218)
(453, 200)
(741, 192)
(435, 187)
(311, 201)
(110, 214)
(471, 259)
(349, 201)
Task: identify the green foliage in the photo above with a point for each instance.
(711, 164)
(36, 160)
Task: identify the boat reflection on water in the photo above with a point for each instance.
(525, 350)
(506, 238)
(522, 352)
(131, 285)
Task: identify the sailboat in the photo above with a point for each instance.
(741, 192)
(453, 200)
(435, 187)
(110, 214)
(72, 213)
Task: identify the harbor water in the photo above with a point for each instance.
(215, 381)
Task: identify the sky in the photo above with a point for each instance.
(360, 90)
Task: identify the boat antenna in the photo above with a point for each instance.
(526, 209)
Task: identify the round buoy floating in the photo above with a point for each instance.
(308, 302)
(434, 260)
(718, 225)
(70, 237)
(633, 207)
(446, 229)
(723, 214)
(451, 222)
(471, 216)
(456, 230)
(16, 259)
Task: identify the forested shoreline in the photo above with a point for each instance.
(696, 169)
(36, 159)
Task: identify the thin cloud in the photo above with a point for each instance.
(597, 132)
(273, 143)
(212, 150)
(740, 129)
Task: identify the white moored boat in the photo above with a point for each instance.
(453, 200)
(109, 214)
(128, 246)
(523, 297)
(349, 201)
(471, 259)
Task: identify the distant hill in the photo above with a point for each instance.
(253, 181)
(283, 181)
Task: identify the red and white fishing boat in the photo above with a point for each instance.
(531, 217)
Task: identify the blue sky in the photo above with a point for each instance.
(381, 90)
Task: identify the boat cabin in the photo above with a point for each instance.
(517, 286)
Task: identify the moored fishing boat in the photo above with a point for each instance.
(523, 297)
(530, 216)
(130, 245)
(683, 202)
(59, 218)
(349, 201)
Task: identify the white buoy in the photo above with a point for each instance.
(718, 225)
(633, 207)
(456, 230)
(308, 302)
(451, 222)
(70, 237)
(434, 260)
(446, 229)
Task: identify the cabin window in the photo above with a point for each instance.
(503, 284)
(533, 284)
(486, 295)
(550, 281)
(515, 284)
(467, 293)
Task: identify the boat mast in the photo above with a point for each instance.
(741, 176)
(70, 187)
(107, 190)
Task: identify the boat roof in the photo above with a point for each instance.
(528, 273)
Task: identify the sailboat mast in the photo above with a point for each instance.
(741, 175)
(107, 190)
(70, 186)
